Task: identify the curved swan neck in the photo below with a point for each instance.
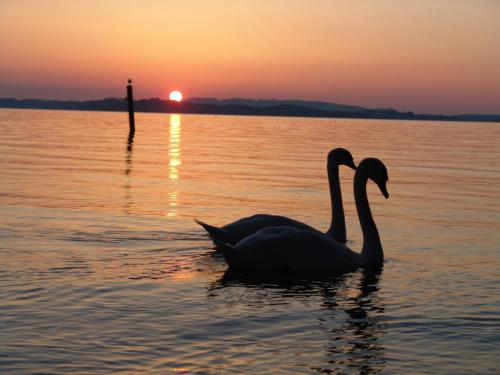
(372, 252)
(337, 224)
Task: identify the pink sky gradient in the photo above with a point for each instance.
(440, 56)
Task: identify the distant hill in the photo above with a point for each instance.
(273, 107)
(262, 103)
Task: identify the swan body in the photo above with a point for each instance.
(289, 249)
(295, 249)
(234, 232)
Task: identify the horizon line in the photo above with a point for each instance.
(362, 108)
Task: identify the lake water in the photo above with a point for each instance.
(103, 269)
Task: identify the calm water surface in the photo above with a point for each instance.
(103, 269)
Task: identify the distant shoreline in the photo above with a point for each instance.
(243, 107)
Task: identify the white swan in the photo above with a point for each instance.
(287, 248)
(234, 232)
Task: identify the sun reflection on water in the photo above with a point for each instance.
(174, 143)
(174, 154)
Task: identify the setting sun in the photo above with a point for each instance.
(176, 96)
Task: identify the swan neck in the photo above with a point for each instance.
(337, 224)
(372, 252)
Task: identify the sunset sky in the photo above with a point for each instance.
(435, 56)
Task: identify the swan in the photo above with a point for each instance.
(234, 232)
(294, 249)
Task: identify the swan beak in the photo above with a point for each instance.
(384, 191)
(351, 165)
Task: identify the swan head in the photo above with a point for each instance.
(340, 156)
(376, 171)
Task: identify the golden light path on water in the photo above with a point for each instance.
(174, 153)
(183, 270)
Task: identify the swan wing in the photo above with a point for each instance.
(242, 228)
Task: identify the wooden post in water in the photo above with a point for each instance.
(130, 101)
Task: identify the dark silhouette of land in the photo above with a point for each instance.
(298, 108)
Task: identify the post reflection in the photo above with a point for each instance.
(174, 154)
(128, 159)
(128, 170)
(349, 316)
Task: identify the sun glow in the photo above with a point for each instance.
(175, 96)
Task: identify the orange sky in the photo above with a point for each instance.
(437, 56)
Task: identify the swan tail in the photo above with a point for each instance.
(216, 233)
(231, 254)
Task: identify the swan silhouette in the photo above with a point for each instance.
(234, 232)
(293, 249)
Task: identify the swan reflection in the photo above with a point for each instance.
(174, 154)
(364, 326)
(349, 315)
